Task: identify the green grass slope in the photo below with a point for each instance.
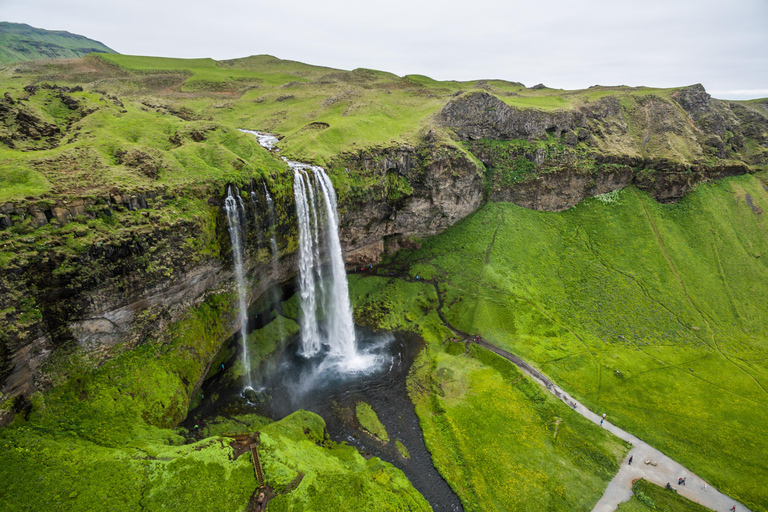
(500, 441)
(651, 313)
(20, 42)
(648, 496)
(322, 112)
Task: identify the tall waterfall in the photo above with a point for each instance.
(326, 313)
(236, 220)
(321, 297)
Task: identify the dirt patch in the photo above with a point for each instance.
(78, 172)
(241, 444)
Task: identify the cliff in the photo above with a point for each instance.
(663, 144)
(112, 185)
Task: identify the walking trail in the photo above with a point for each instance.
(660, 470)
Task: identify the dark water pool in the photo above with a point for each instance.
(332, 388)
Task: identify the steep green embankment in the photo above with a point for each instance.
(20, 42)
(650, 313)
(500, 441)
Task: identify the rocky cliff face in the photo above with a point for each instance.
(557, 158)
(94, 275)
(410, 192)
(128, 286)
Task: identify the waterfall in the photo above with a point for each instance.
(235, 218)
(255, 203)
(310, 332)
(319, 236)
(322, 298)
(272, 226)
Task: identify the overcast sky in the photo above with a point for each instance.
(569, 44)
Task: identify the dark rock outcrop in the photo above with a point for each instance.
(418, 192)
(663, 146)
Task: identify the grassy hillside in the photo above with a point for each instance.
(500, 441)
(653, 314)
(20, 42)
(322, 112)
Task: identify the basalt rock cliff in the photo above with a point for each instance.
(129, 288)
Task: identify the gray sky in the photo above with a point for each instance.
(569, 44)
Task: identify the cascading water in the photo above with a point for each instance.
(326, 312)
(235, 215)
(272, 228)
(310, 332)
(320, 222)
(255, 203)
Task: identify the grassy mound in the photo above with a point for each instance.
(652, 497)
(370, 421)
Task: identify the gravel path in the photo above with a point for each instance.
(664, 471)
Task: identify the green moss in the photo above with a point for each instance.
(402, 449)
(311, 473)
(370, 421)
(490, 429)
(265, 341)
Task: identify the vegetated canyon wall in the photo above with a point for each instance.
(127, 286)
(557, 158)
(97, 295)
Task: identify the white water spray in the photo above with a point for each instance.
(235, 215)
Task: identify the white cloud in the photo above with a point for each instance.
(562, 43)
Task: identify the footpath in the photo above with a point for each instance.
(660, 470)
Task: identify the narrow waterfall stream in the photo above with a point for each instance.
(235, 219)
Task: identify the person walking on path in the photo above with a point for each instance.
(630, 459)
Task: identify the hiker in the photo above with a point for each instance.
(733, 508)
(705, 487)
(601, 422)
(679, 481)
(684, 479)
(669, 486)
(260, 500)
(630, 459)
